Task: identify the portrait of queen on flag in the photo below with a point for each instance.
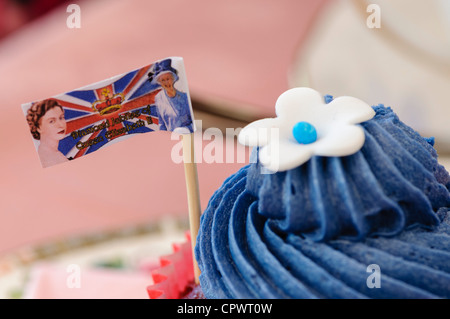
(82, 121)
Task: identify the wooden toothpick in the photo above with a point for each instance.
(193, 195)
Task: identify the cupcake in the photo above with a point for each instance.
(340, 200)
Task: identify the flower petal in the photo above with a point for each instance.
(295, 101)
(341, 140)
(283, 155)
(350, 110)
(258, 133)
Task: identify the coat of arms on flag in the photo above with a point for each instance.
(79, 122)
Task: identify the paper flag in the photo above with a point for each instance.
(73, 124)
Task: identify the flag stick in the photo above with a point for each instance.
(190, 171)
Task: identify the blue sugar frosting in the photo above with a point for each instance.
(312, 231)
(393, 182)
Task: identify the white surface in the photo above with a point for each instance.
(404, 64)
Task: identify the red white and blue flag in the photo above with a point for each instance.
(82, 121)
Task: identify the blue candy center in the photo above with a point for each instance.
(304, 133)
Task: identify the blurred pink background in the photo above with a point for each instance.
(235, 52)
(239, 57)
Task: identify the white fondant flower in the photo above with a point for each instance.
(334, 123)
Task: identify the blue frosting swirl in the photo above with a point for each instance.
(311, 232)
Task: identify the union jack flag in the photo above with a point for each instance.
(113, 109)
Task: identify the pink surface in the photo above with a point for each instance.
(51, 281)
(235, 50)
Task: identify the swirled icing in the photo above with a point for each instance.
(312, 231)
